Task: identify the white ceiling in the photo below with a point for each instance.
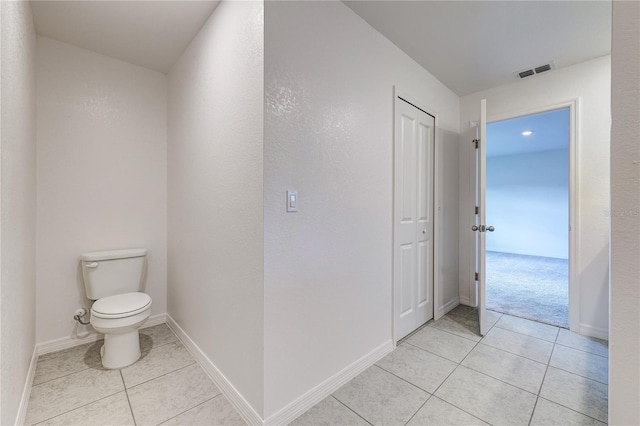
(476, 45)
(152, 34)
(468, 45)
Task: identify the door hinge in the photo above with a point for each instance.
(477, 277)
(475, 142)
(477, 208)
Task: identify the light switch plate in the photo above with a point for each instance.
(292, 201)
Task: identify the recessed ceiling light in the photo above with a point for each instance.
(527, 133)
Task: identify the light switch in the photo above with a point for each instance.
(292, 201)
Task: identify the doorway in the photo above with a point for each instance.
(528, 202)
(413, 218)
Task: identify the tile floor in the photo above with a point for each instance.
(166, 386)
(521, 372)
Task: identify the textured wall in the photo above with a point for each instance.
(590, 82)
(624, 338)
(329, 81)
(18, 203)
(215, 225)
(101, 174)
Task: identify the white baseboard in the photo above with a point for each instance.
(69, 342)
(26, 391)
(236, 399)
(465, 301)
(444, 309)
(598, 333)
(324, 389)
(295, 408)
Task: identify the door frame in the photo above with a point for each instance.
(574, 195)
(437, 205)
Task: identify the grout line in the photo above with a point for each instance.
(582, 350)
(500, 380)
(455, 334)
(128, 400)
(514, 354)
(525, 334)
(458, 408)
(523, 356)
(162, 375)
(189, 409)
(404, 380)
(579, 375)
(571, 409)
(75, 408)
(429, 352)
(419, 408)
(414, 332)
(534, 410)
(69, 374)
(349, 408)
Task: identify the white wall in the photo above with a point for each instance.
(101, 174)
(215, 223)
(624, 338)
(18, 203)
(528, 203)
(589, 81)
(329, 81)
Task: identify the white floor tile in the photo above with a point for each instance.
(578, 393)
(216, 411)
(58, 364)
(513, 369)
(158, 361)
(487, 398)
(582, 363)
(161, 399)
(466, 326)
(67, 393)
(519, 344)
(549, 413)
(531, 328)
(437, 412)
(442, 343)
(381, 398)
(584, 343)
(329, 412)
(417, 366)
(155, 336)
(112, 410)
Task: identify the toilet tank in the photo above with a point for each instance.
(111, 272)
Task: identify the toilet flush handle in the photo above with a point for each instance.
(92, 265)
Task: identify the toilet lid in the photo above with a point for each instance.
(121, 305)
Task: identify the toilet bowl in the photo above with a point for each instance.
(119, 317)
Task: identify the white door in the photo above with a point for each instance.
(413, 218)
(480, 228)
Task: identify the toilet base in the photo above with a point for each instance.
(120, 350)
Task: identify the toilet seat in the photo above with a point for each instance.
(121, 305)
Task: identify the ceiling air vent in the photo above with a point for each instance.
(535, 70)
(543, 68)
(526, 73)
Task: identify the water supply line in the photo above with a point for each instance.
(81, 312)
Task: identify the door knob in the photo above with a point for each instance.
(424, 231)
(491, 228)
(475, 228)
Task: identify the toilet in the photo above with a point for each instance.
(113, 280)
